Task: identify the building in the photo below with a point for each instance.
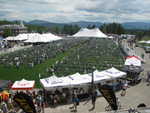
(15, 29)
(127, 36)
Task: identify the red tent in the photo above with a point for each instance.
(23, 85)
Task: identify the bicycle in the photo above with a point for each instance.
(133, 110)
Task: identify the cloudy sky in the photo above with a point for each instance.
(76, 10)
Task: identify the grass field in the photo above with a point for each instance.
(100, 53)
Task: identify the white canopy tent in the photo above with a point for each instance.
(114, 73)
(51, 37)
(34, 38)
(99, 76)
(23, 85)
(54, 81)
(10, 38)
(148, 42)
(84, 32)
(111, 37)
(22, 37)
(78, 79)
(133, 60)
(48, 37)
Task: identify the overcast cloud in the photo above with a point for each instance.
(76, 10)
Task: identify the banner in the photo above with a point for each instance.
(109, 95)
(25, 102)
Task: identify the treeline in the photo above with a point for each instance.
(110, 28)
(113, 28)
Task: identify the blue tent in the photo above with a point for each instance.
(1, 38)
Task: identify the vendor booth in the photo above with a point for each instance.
(63, 87)
(23, 85)
(133, 68)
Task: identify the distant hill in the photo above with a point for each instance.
(86, 24)
(136, 25)
(51, 24)
(45, 23)
(126, 25)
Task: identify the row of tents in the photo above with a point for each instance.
(70, 80)
(48, 37)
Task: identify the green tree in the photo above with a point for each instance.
(7, 32)
(114, 28)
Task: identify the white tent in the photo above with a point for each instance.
(108, 74)
(22, 37)
(99, 76)
(114, 73)
(54, 81)
(142, 41)
(111, 37)
(148, 42)
(42, 38)
(133, 60)
(77, 79)
(51, 37)
(71, 80)
(23, 85)
(34, 38)
(10, 38)
(84, 32)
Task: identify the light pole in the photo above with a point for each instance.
(92, 82)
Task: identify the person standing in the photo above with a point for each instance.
(148, 78)
(75, 101)
(94, 96)
(124, 88)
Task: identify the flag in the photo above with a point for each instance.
(109, 95)
(25, 102)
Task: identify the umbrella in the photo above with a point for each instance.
(5, 95)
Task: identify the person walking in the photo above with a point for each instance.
(94, 96)
(75, 101)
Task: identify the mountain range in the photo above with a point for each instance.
(126, 25)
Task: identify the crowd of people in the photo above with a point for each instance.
(37, 54)
(55, 97)
(4, 45)
(103, 54)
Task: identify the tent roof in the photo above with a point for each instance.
(133, 60)
(146, 42)
(48, 37)
(78, 79)
(54, 81)
(34, 37)
(23, 85)
(84, 32)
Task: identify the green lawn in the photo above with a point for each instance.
(13, 73)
